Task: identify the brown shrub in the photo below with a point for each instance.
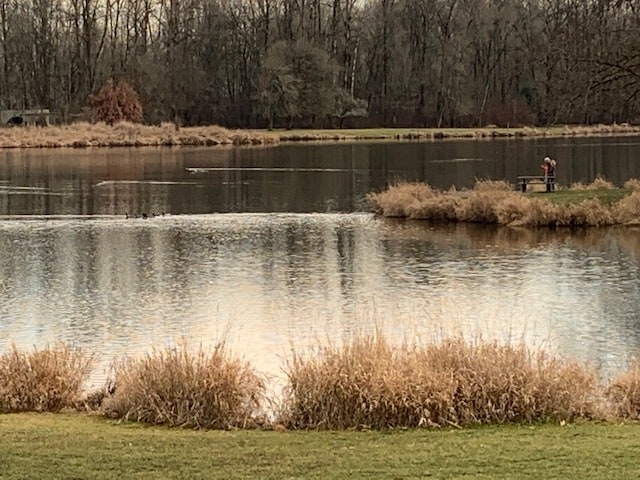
(46, 380)
(115, 103)
(179, 388)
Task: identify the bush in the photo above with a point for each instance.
(46, 380)
(178, 388)
(116, 103)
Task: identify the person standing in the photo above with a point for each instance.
(549, 169)
(551, 174)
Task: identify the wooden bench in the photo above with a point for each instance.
(525, 180)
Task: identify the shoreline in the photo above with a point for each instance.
(126, 134)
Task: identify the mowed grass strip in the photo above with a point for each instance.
(80, 446)
(605, 196)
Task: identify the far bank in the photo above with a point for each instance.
(126, 134)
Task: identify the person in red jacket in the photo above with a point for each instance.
(549, 168)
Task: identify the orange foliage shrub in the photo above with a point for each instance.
(116, 102)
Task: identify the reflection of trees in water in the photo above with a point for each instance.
(504, 240)
(591, 276)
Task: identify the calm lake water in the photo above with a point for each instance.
(273, 248)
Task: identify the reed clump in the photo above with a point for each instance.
(402, 200)
(623, 392)
(370, 383)
(599, 183)
(45, 380)
(497, 202)
(178, 388)
(632, 184)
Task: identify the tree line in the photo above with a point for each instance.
(329, 63)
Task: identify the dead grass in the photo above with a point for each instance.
(401, 200)
(600, 183)
(632, 184)
(369, 383)
(624, 393)
(46, 380)
(178, 388)
(127, 134)
(627, 210)
(366, 383)
(497, 202)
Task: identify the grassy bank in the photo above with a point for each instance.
(125, 134)
(79, 446)
(497, 202)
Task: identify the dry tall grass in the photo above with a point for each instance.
(624, 393)
(632, 184)
(178, 388)
(496, 202)
(367, 383)
(46, 380)
(371, 383)
(599, 183)
(127, 134)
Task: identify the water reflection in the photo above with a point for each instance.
(268, 281)
(311, 178)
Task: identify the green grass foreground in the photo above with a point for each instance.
(80, 446)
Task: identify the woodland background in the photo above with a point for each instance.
(329, 63)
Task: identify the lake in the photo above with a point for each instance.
(274, 248)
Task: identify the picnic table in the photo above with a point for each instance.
(525, 180)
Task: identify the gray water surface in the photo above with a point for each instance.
(273, 249)
(268, 282)
(298, 178)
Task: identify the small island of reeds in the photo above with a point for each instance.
(497, 202)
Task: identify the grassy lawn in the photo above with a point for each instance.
(606, 196)
(77, 446)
